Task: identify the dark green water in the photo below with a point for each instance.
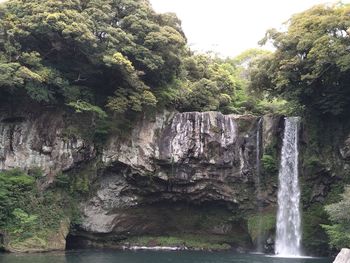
(149, 257)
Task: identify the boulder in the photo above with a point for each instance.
(343, 256)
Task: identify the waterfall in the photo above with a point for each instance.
(288, 229)
(258, 185)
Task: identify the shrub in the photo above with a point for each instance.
(339, 231)
(269, 164)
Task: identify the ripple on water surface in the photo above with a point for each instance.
(99, 256)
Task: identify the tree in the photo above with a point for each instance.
(95, 51)
(339, 213)
(211, 83)
(311, 64)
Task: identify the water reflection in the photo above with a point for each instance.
(88, 256)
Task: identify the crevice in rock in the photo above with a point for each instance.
(76, 242)
(13, 120)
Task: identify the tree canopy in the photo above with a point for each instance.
(311, 64)
(90, 50)
(115, 56)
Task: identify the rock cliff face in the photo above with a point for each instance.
(30, 140)
(173, 164)
(188, 157)
(190, 173)
(189, 153)
(187, 174)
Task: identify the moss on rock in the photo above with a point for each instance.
(261, 225)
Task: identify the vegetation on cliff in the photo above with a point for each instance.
(115, 56)
(311, 64)
(30, 219)
(120, 58)
(86, 53)
(339, 232)
(310, 69)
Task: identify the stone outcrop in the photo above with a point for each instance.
(187, 157)
(343, 256)
(174, 172)
(345, 149)
(29, 140)
(272, 129)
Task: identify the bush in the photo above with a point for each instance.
(14, 187)
(339, 235)
(315, 240)
(27, 213)
(269, 164)
(339, 231)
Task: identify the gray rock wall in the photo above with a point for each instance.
(182, 161)
(36, 140)
(187, 157)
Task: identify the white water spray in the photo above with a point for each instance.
(288, 232)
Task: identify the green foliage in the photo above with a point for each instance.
(212, 83)
(261, 225)
(83, 106)
(36, 172)
(339, 235)
(23, 222)
(114, 59)
(14, 185)
(80, 184)
(119, 60)
(202, 96)
(275, 106)
(339, 213)
(311, 64)
(62, 180)
(269, 164)
(88, 53)
(76, 182)
(315, 239)
(215, 84)
(25, 212)
(248, 57)
(135, 101)
(312, 162)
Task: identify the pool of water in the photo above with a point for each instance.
(98, 256)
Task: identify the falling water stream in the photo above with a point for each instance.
(288, 228)
(259, 240)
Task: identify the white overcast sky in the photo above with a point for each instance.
(229, 27)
